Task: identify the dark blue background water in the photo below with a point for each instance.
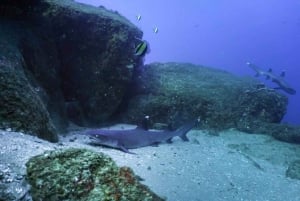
(222, 34)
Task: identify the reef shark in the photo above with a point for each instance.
(138, 137)
(282, 84)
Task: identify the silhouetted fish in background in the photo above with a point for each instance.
(155, 29)
(138, 17)
(138, 137)
(282, 84)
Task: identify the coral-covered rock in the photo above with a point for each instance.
(78, 174)
(175, 92)
(21, 106)
(95, 51)
(12, 184)
(61, 60)
(293, 170)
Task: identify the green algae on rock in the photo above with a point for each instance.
(21, 107)
(59, 57)
(166, 91)
(80, 174)
(293, 170)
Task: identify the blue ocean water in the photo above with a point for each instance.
(222, 34)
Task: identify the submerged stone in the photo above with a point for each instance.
(293, 170)
(62, 60)
(12, 185)
(21, 106)
(176, 92)
(83, 175)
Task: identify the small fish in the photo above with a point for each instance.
(155, 30)
(142, 48)
(138, 17)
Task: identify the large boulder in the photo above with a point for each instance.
(12, 184)
(175, 92)
(61, 60)
(78, 174)
(95, 51)
(293, 170)
(21, 105)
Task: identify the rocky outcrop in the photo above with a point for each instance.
(78, 174)
(282, 132)
(176, 92)
(21, 106)
(172, 93)
(95, 51)
(60, 61)
(12, 184)
(293, 170)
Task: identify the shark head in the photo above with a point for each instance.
(102, 139)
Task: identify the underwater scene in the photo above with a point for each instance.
(152, 100)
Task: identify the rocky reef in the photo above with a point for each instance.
(172, 93)
(22, 107)
(293, 170)
(175, 92)
(12, 184)
(78, 174)
(63, 61)
(60, 61)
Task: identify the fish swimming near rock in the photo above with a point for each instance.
(282, 84)
(138, 137)
(142, 48)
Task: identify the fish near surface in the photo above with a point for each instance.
(138, 137)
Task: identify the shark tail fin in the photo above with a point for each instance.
(184, 137)
(182, 131)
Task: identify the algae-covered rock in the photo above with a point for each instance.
(79, 174)
(293, 170)
(12, 185)
(21, 106)
(68, 61)
(95, 50)
(169, 92)
(282, 132)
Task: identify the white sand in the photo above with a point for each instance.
(232, 166)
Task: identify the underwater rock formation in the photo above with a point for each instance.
(62, 61)
(176, 92)
(282, 132)
(79, 174)
(21, 107)
(293, 170)
(68, 61)
(12, 185)
(95, 50)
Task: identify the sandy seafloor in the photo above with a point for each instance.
(229, 166)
